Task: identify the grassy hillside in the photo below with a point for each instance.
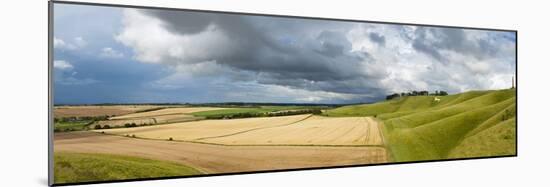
(80, 167)
(471, 124)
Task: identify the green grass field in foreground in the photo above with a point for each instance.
(471, 124)
(80, 167)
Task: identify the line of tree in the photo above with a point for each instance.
(416, 93)
(266, 114)
(256, 105)
(82, 118)
(126, 125)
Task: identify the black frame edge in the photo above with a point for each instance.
(50, 94)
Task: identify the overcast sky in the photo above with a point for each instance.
(123, 55)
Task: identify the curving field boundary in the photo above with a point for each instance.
(220, 159)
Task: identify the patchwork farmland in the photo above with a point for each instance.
(246, 135)
(211, 159)
(155, 116)
(222, 139)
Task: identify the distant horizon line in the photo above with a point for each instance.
(202, 103)
(240, 102)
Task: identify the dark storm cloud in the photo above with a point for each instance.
(433, 40)
(333, 44)
(234, 26)
(185, 56)
(323, 62)
(375, 37)
(191, 24)
(323, 57)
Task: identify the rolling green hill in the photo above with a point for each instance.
(470, 124)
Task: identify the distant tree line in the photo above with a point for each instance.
(76, 119)
(266, 114)
(150, 109)
(416, 93)
(126, 125)
(295, 112)
(256, 105)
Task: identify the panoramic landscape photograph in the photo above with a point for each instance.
(156, 93)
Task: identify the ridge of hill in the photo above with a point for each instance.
(464, 125)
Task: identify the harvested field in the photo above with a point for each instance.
(166, 111)
(196, 130)
(286, 130)
(316, 130)
(93, 111)
(217, 158)
(174, 118)
(165, 115)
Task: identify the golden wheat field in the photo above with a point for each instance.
(316, 130)
(286, 130)
(197, 130)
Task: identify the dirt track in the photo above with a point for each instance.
(220, 159)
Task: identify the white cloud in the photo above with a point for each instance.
(76, 43)
(472, 67)
(108, 52)
(62, 65)
(80, 42)
(58, 43)
(163, 46)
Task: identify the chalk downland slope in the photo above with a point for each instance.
(471, 124)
